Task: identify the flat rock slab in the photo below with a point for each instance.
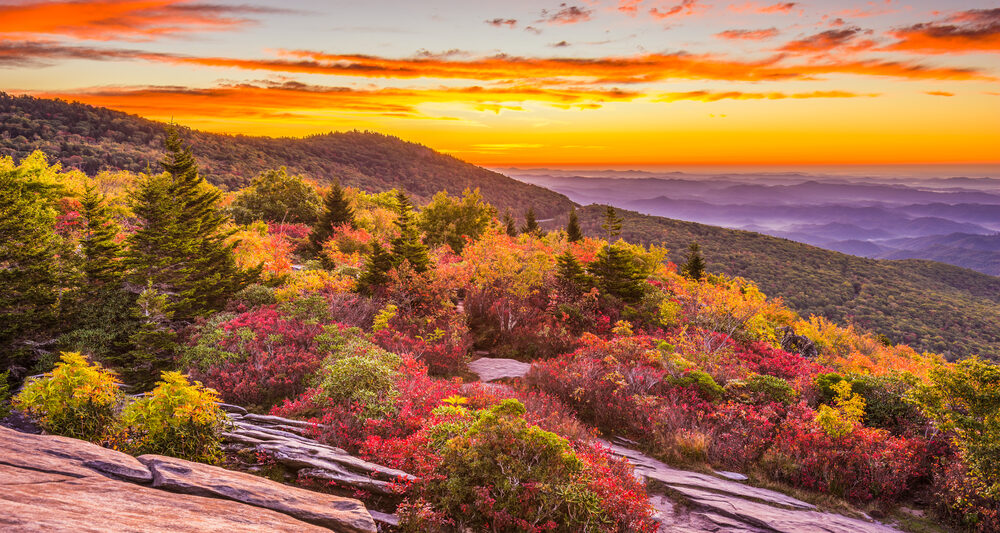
(716, 504)
(70, 457)
(334, 512)
(101, 505)
(492, 369)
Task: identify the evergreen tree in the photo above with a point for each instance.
(29, 269)
(181, 245)
(510, 225)
(408, 245)
(612, 223)
(694, 266)
(336, 212)
(154, 341)
(573, 232)
(530, 224)
(618, 274)
(101, 252)
(570, 273)
(376, 272)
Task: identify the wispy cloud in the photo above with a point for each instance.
(137, 20)
(501, 22)
(939, 93)
(976, 30)
(847, 40)
(748, 35)
(754, 7)
(566, 14)
(684, 8)
(709, 96)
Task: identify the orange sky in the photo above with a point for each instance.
(598, 83)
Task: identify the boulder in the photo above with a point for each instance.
(334, 512)
(67, 456)
(492, 369)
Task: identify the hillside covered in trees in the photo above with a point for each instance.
(927, 305)
(93, 139)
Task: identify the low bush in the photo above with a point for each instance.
(761, 389)
(77, 399)
(177, 418)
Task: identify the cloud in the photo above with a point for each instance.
(939, 93)
(629, 6)
(748, 35)
(708, 96)
(566, 14)
(754, 7)
(41, 53)
(844, 40)
(560, 44)
(277, 99)
(136, 20)
(500, 22)
(685, 8)
(972, 31)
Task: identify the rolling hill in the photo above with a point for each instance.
(928, 305)
(94, 139)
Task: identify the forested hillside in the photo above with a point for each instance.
(94, 139)
(927, 305)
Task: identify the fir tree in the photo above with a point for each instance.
(694, 266)
(510, 225)
(336, 212)
(29, 269)
(573, 232)
(618, 274)
(530, 224)
(181, 246)
(101, 252)
(154, 341)
(570, 273)
(376, 272)
(408, 245)
(612, 223)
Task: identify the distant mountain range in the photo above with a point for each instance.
(931, 306)
(884, 218)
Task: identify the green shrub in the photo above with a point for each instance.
(4, 394)
(178, 418)
(495, 467)
(256, 295)
(761, 388)
(361, 372)
(701, 381)
(77, 399)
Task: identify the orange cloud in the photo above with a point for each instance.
(748, 35)
(105, 20)
(843, 40)
(294, 99)
(977, 30)
(754, 7)
(939, 93)
(684, 8)
(707, 96)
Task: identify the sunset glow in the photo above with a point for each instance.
(592, 83)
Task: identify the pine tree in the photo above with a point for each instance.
(612, 223)
(530, 224)
(154, 341)
(573, 232)
(29, 270)
(336, 212)
(510, 225)
(617, 273)
(694, 266)
(408, 245)
(376, 272)
(101, 252)
(182, 246)
(570, 273)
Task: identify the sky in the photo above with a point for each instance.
(612, 83)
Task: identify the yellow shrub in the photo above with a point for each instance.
(840, 421)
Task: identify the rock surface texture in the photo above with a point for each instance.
(50, 483)
(492, 369)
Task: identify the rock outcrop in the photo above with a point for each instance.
(52, 483)
(491, 369)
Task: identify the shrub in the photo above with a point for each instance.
(760, 388)
(846, 416)
(964, 500)
(178, 418)
(4, 393)
(366, 379)
(496, 471)
(255, 295)
(701, 382)
(77, 399)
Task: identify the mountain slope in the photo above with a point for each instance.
(928, 305)
(94, 139)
